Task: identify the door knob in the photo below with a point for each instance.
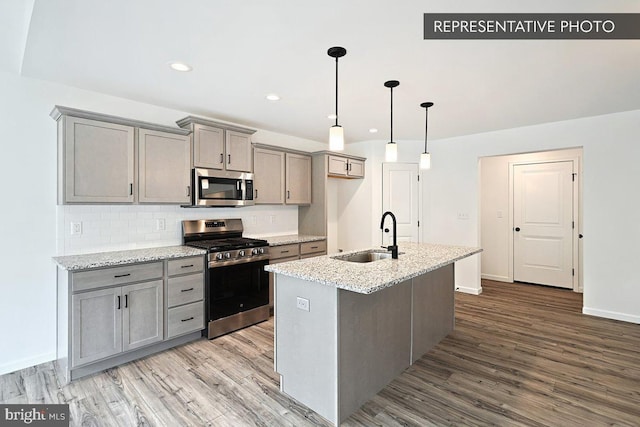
(517, 229)
(580, 236)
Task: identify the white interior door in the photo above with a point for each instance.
(543, 223)
(400, 195)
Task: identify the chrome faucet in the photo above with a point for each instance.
(393, 248)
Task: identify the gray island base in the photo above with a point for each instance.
(339, 342)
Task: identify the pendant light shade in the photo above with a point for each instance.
(425, 161)
(425, 158)
(336, 133)
(391, 149)
(336, 138)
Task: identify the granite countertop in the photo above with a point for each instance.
(109, 259)
(291, 238)
(415, 259)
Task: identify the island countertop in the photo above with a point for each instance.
(415, 259)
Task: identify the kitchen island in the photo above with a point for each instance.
(344, 330)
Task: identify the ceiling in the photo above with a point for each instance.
(241, 51)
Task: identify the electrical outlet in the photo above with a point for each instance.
(463, 215)
(302, 304)
(76, 228)
(161, 224)
(499, 214)
(272, 219)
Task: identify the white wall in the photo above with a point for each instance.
(610, 203)
(30, 217)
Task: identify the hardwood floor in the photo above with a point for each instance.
(520, 355)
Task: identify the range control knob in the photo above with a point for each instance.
(240, 253)
(254, 251)
(227, 255)
(218, 256)
(261, 250)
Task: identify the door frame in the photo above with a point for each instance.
(578, 285)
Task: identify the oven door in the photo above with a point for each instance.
(237, 288)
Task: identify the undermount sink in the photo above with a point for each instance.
(368, 256)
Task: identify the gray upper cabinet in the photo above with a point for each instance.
(268, 171)
(164, 165)
(218, 145)
(97, 159)
(298, 179)
(238, 151)
(345, 167)
(208, 147)
(97, 162)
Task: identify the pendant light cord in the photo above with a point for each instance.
(391, 115)
(336, 91)
(426, 126)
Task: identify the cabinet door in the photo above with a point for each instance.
(355, 168)
(298, 179)
(97, 325)
(238, 151)
(337, 166)
(268, 176)
(98, 166)
(208, 147)
(142, 314)
(164, 166)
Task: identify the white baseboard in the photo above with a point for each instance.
(611, 315)
(472, 291)
(496, 278)
(16, 365)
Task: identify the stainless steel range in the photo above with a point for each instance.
(237, 291)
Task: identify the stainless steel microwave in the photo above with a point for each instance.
(221, 188)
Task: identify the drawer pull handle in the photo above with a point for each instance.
(284, 252)
(314, 247)
(122, 275)
(186, 266)
(186, 320)
(186, 290)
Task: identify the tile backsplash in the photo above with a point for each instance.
(99, 228)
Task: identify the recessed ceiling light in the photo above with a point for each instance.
(373, 130)
(331, 117)
(273, 97)
(180, 66)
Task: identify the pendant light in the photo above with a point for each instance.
(425, 158)
(336, 133)
(391, 150)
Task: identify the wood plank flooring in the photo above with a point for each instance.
(521, 355)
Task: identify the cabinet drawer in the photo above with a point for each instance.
(101, 277)
(284, 251)
(184, 319)
(312, 247)
(185, 265)
(185, 289)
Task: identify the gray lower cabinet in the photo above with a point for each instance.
(292, 252)
(108, 316)
(109, 321)
(185, 296)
